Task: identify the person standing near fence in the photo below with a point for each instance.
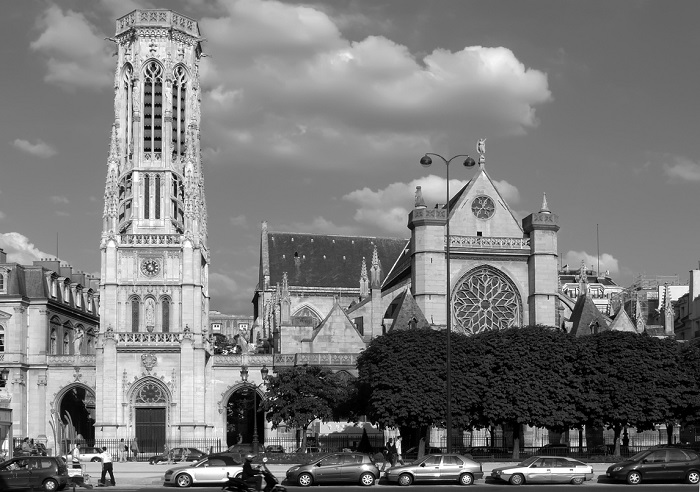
(134, 449)
(123, 451)
(397, 444)
(106, 457)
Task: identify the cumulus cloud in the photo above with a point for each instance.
(388, 208)
(19, 249)
(75, 53)
(38, 149)
(607, 261)
(225, 291)
(682, 169)
(285, 82)
(59, 199)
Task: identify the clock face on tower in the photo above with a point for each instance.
(150, 267)
(483, 207)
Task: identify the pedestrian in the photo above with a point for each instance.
(123, 451)
(185, 454)
(393, 454)
(26, 448)
(399, 452)
(168, 454)
(134, 449)
(75, 457)
(106, 457)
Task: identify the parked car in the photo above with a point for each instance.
(274, 448)
(336, 467)
(178, 455)
(545, 469)
(411, 454)
(39, 449)
(437, 468)
(212, 470)
(86, 454)
(33, 472)
(664, 464)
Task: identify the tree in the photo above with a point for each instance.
(627, 380)
(300, 395)
(521, 376)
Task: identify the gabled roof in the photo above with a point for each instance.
(408, 314)
(585, 316)
(622, 322)
(324, 260)
(401, 269)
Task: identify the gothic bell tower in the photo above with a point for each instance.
(154, 300)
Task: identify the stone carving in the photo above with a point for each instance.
(149, 361)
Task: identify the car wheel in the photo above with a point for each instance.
(634, 477)
(95, 460)
(466, 479)
(367, 479)
(50, 485)
(239, 476)
(693, 477)
(517, 479)
(305, 479)
(183, 480)
(405, 479)
(577, 480)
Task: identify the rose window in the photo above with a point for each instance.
(150, 393)
(485, 299)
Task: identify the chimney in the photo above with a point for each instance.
(50, 264)
(66, 271)
(3, 256)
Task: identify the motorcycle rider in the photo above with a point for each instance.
(251, 475)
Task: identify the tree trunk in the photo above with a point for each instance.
(516, 440)
(618, 431)
(669, 433)
(303, 438)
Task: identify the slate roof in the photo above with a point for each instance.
(584, 314)
(322, 260)
(406, 312)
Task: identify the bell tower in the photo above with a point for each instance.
(154, 299)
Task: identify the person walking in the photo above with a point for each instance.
(399, 452)
(123, 451)
(393, 455)
(106, 457)
(168, 454)
(135, 449)
(75, 458)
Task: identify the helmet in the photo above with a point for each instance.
(249, 457)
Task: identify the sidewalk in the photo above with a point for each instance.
(143, 474)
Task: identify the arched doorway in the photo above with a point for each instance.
(150, 401)
(76, 411)
(245, 417)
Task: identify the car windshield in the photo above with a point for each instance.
(201, 462)
(528, 461)
(638, 456)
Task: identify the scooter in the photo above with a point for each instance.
(272, 484)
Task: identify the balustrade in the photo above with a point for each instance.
(483, 242)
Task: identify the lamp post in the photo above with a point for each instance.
(426, 161)
(264, 371)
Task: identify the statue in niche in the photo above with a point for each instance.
(150, 314)
(78, 341)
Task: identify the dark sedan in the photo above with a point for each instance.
(336, 467)
(658, 464)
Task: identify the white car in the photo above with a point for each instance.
(545, 469)
(212, 470)
(87, 453)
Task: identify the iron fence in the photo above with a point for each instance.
(321, 444)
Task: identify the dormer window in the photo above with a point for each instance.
(3, 283)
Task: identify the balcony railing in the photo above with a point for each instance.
(482, 242)
(71, 360)
(316, 359)
(149, 337)
(147, 239)
(240, 359)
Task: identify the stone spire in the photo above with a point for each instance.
(364, 279)
(420, 203)
(376, 270)
(544, 209)
(111, 185)
(582, 280)
(669, 328)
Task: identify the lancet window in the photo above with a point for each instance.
(179, 102)
(127, 106)
(2, 339)
(165, 315)
(153, 108)
(134, 314)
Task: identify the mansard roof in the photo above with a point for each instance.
(324, 260)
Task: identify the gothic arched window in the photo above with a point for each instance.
(157, 207)
(2, 282)
(134, 314)
(127, 107)
(150, 393)
(147, 196)
(179, 106)
(2, 339)
(165, 315)
(53, 344)
(66, 344)
(486, 299)
(153, 108)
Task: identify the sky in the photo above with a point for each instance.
(315, 116)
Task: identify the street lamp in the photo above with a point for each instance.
(264, 371)
(426, 161)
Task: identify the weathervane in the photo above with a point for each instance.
(481, 149)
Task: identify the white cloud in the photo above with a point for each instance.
(388, 208)
(75, 52)
(38, 149)
(682, 169)
(239, 221)
(226, 293)
(19, 249)
(283, 81)
(607, 261)
(59, 199)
